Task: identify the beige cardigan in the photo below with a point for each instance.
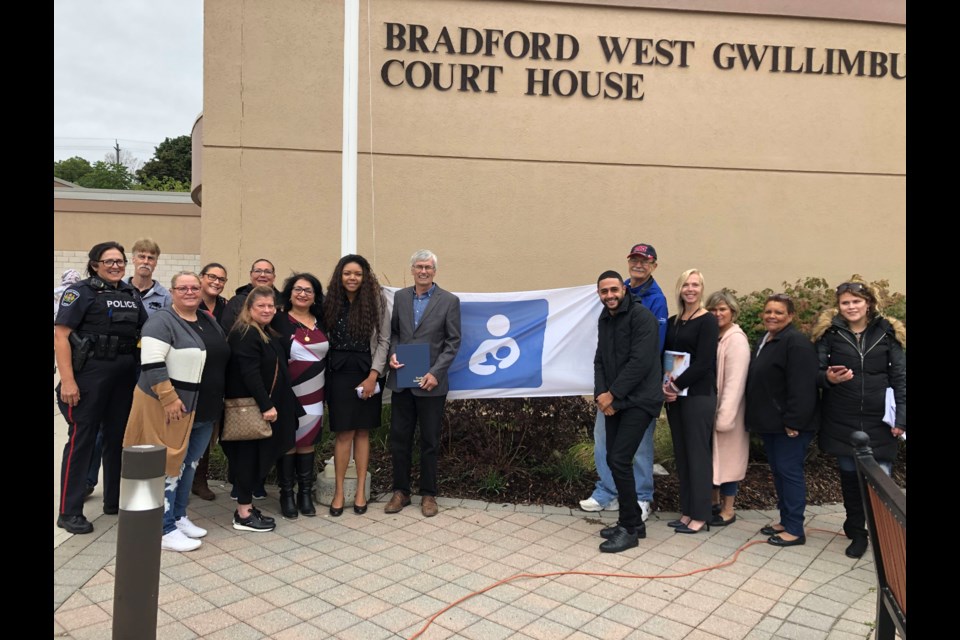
(731, 444)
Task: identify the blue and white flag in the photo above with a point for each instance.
(526, 343)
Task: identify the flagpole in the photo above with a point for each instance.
(351, 80)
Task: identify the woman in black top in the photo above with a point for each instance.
(359, 324)
(213, 279)
(782, 408)
(258, 368)
(694, 331)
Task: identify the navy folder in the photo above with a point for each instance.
(415, 359)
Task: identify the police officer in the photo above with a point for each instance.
(96, 335)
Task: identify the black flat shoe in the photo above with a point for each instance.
(676, 523)
(770, 531)
(718, 521)
(359, 509)
(686, 529)
(609, 532)
(336, 512)
(715, 509)
(777, 541)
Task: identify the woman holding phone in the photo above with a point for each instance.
(861, 356)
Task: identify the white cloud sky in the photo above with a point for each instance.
(130, 70)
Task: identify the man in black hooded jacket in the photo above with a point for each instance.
(627, 389)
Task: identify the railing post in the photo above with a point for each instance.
(139, 529)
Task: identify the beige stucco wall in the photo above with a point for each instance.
(85, 217)
(752, 176)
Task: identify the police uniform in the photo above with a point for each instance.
(109, 318)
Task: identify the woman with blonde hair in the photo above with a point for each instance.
(862, 361)
(258, 369)
(691, 399)
(731, 444)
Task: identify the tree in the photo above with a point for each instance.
(161, 184)
(107, 176)
(127, 159)
(172, 159)
(71, 169)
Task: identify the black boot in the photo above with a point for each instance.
(305, 476)
(854, 527)
(285, 475)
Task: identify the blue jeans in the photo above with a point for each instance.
(847, 463)
(606, 490)
(785, 455)
(729, 489)
(176, 489)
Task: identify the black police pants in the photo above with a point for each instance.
(624, 430)
(106, 394)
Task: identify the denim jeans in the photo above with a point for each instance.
(605, 489)
(176, 490)
(785, 455)
(847, 463)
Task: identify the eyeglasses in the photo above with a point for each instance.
(186, 289)
(304, 290)
(119, 262)
(213, 278)
(852, 287)
(423, 267)
(262, 272)
(640, 260)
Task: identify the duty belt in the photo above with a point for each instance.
(104, 347)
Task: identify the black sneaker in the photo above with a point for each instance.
(260, 515)
(608, 532)
(111, 509)
(252, 522)
(75, 524)
(621, 540)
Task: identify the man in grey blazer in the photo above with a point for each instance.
(423, 313)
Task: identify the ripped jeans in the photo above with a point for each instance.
(176, 489)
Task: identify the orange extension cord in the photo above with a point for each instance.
(518, 576)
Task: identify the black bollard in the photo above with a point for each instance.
(139, 529)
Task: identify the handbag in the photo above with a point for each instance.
(243, 420)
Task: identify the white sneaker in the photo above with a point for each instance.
(191, 530)
(644, 510)
(592, 505)
(177, 541)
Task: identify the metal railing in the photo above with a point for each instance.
(886, 509)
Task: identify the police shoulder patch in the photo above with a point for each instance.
(69, 297)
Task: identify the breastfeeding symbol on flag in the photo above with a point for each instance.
(501, 345)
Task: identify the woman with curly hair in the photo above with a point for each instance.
(355, 313)
(861, 355)
(300, 325)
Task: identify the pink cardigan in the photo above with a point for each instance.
(731, 444)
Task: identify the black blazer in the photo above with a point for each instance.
(782, 385)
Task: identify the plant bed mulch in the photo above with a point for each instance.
(485, 456)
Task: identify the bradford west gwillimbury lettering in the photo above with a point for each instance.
(545, 79)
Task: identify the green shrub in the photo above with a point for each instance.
(811, 296)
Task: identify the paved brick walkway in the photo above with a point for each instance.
(382, 576)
